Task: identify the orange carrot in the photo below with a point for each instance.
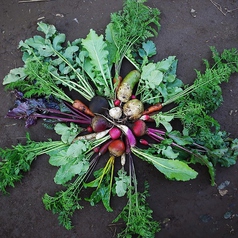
(82, 107)
(156, 107)
(117, 81)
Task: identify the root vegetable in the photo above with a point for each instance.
(82, 107)
(115, 112)
(117, 148)
(115, 133)
(139, 128)
(153, 108)
(127, 85)
(98, 104)
(117, 103)
(133, 109)
(99, 124)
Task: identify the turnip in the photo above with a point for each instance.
(115, 112)
(133, 109)
(99, 124)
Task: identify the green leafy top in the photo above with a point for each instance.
(129, 28)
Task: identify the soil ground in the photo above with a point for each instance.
(191, 209)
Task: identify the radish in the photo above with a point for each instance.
(117, 103)
(115, 133)
(117, 148)
(99, 124)
(144, 142)
(139, 128)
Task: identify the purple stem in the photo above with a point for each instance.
(153, 130)
(82, 121)
(152, 133)
(55, 111)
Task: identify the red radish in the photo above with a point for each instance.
(139, 128)
(115, 133)
(117, 148)
(89, 129)
(144, 142)
(146, 118)
(117, 103)
(99, 124)
(133, 96)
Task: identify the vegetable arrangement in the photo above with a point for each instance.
(120, 117)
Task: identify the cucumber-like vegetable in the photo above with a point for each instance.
(126, 87)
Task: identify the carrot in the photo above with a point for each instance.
(156, 107)
(82, 107)
(117, 82)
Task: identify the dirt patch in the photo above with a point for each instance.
(185, 209)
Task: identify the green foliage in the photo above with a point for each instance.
(103, 184)
(64, 203)
(68, 133)
(129, 28)
(171, 168)
(18, 159)
(138, 216)
(158, 81)
(97, 64)
(122, 182)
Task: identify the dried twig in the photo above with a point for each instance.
(28, 1)
(219, 7)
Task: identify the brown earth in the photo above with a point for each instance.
(191, 209)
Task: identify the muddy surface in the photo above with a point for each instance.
(185, 209)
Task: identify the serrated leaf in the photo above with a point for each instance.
(164, 120)
(66, 172)
(48, 30)
(68, 133)
(165, 64)
(76, 149)
(98, 66)
(14, 75)
(58, 40)
(149, 48)
(70, 51)
(122, 183)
